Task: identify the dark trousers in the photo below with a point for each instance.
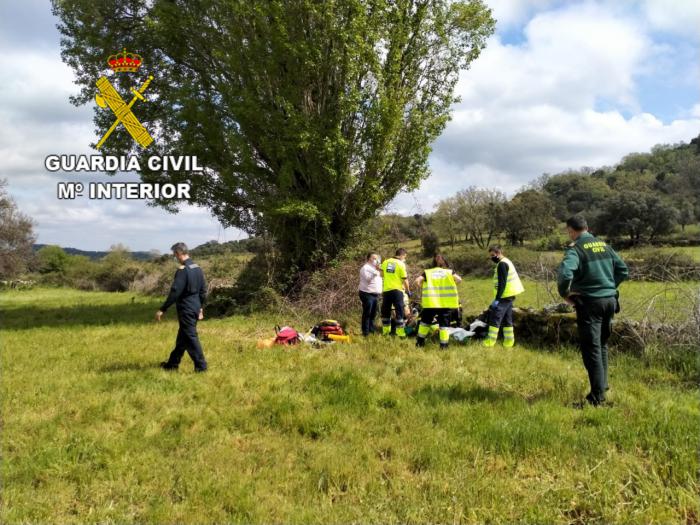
(370, 305)
(594, 319)
(502, 314)
(188, 341)
(428, 316)
(392, 298)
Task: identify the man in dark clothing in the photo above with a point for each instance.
(188, 293)
(588, 278)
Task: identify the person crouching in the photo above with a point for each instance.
(438, 298)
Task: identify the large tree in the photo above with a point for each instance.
(16, 236)
(309, 115)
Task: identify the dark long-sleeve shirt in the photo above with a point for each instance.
(590, 268)
(502, 273)
(189, 288)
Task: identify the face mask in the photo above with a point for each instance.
(495, 258)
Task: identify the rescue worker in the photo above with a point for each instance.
(439, 298)
(188, 293)
(588, 278)
(395, 282)
(506, 286)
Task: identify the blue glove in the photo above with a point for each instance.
(409, 294)
(494, 304)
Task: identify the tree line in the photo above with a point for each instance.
(645, 196)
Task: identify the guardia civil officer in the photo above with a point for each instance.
(588, 278)
(439, 298)
(188, 293)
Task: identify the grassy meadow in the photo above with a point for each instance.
(375, 431)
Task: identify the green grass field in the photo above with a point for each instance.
(375, 431)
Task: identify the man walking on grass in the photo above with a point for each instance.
(188, 293)
(588, 279)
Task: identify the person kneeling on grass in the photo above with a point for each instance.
(439, 298)
(506, 285)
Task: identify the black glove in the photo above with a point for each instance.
(617, 301)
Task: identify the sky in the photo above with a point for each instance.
(560, 85)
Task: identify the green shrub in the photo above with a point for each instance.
(653, 264)
(116, 271)
(430, 243)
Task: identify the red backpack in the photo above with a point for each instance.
(286, 336)
(326, 328)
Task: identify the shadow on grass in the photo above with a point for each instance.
(129, 367)
(28, 316)
(434, 394)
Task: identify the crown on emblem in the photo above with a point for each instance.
(125, 62)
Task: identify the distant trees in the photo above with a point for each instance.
(448, 219)
(16, 236)
(474, 213)
(637, 216)
(529, 214)
(645, 196)
(575, 192)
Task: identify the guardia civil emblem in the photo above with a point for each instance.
(108, 97)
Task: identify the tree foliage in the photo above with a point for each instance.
(308, 115)
(16, 236)
(52, 259)
(475, 213)
(528, 214)
(636, 215)
(644, 196)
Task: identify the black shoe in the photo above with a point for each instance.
(198, 370)
(168, 366)
(443, 346)
(597, 402)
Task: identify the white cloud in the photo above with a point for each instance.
(532, 108)
(674, 16)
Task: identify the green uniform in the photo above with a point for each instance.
(592, 271)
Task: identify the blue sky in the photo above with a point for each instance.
(562, 84)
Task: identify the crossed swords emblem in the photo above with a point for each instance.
(108, 96)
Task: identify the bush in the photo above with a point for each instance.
(116, 271)
(430, 243)
(552, 242)
(659, 265)
(52, 259)
(474, 261)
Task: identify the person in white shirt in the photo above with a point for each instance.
(370, 291)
